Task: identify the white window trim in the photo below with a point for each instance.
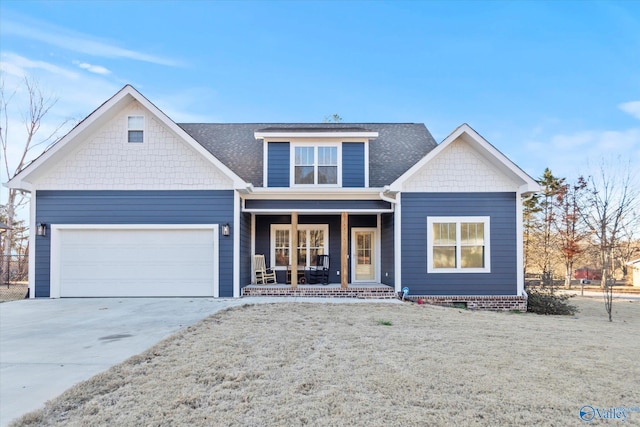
(301, 227)
(315, 145)
(458, 220)
(144, 129)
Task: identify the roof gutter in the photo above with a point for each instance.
(383, 195)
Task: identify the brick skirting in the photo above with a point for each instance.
(320, 291)
(492, 302)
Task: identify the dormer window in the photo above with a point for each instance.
(315, 164)
(135, 128)
(316, 156)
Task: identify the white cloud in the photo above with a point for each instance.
(573, 141)
(17, 65)
(573, 154)
(632, 107)
(97, 69)
(74, 41)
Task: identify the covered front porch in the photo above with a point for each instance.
(332, 290)
(355, 234)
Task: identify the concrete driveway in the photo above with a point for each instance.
(48, 345)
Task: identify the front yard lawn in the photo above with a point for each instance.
(293, 364)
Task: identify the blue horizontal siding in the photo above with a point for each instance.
(387, 243)
(133, 207)
(318, 204)
(278, 164)
(500, 207)
(353, 164)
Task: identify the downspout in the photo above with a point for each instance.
(520, 240)
(238, 207)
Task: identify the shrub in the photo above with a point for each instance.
(543, 301)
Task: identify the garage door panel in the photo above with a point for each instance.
(132, 262)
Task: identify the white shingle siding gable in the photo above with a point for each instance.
(106, 161)
(459, 168)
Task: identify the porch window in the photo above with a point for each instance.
(458, 245)
(316, 164)
(312, 241)
(281, 241)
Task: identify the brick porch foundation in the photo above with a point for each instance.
(320, 291)
(496, 303)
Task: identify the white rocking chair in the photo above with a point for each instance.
(263, 274)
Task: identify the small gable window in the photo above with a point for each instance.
(135, 128)
(315, 165)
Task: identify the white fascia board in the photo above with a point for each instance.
(472, 137)
(327, 134)
(333, 193)
(102, 114)
(32, 245)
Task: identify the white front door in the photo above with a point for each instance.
(364, 254)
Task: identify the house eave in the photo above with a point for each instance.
(65, 145)
(314, 193)
(524, 182)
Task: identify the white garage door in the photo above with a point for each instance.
(133, 261)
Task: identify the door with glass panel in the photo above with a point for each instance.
(363, 254)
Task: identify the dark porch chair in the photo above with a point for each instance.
(320, 272)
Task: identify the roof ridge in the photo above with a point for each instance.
(300, 123)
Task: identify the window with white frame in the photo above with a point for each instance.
(458, 245)
(313, 239)
(135, 129)
(315, 164)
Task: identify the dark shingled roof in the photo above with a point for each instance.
(398, 146)
(312, 129)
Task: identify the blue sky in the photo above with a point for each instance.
(549, 83)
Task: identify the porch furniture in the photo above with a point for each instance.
(263, 274)
(302, 277)
(320, 272)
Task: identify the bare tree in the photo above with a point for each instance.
(531, 209)
(39, 105)
(612, 202)
(569, 225)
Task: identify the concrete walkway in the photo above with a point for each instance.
(49, 345)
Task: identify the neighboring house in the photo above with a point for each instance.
(130, 203)
(634, 271)
(587, 273)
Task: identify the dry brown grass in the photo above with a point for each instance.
(333, 364)
(12, 292)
